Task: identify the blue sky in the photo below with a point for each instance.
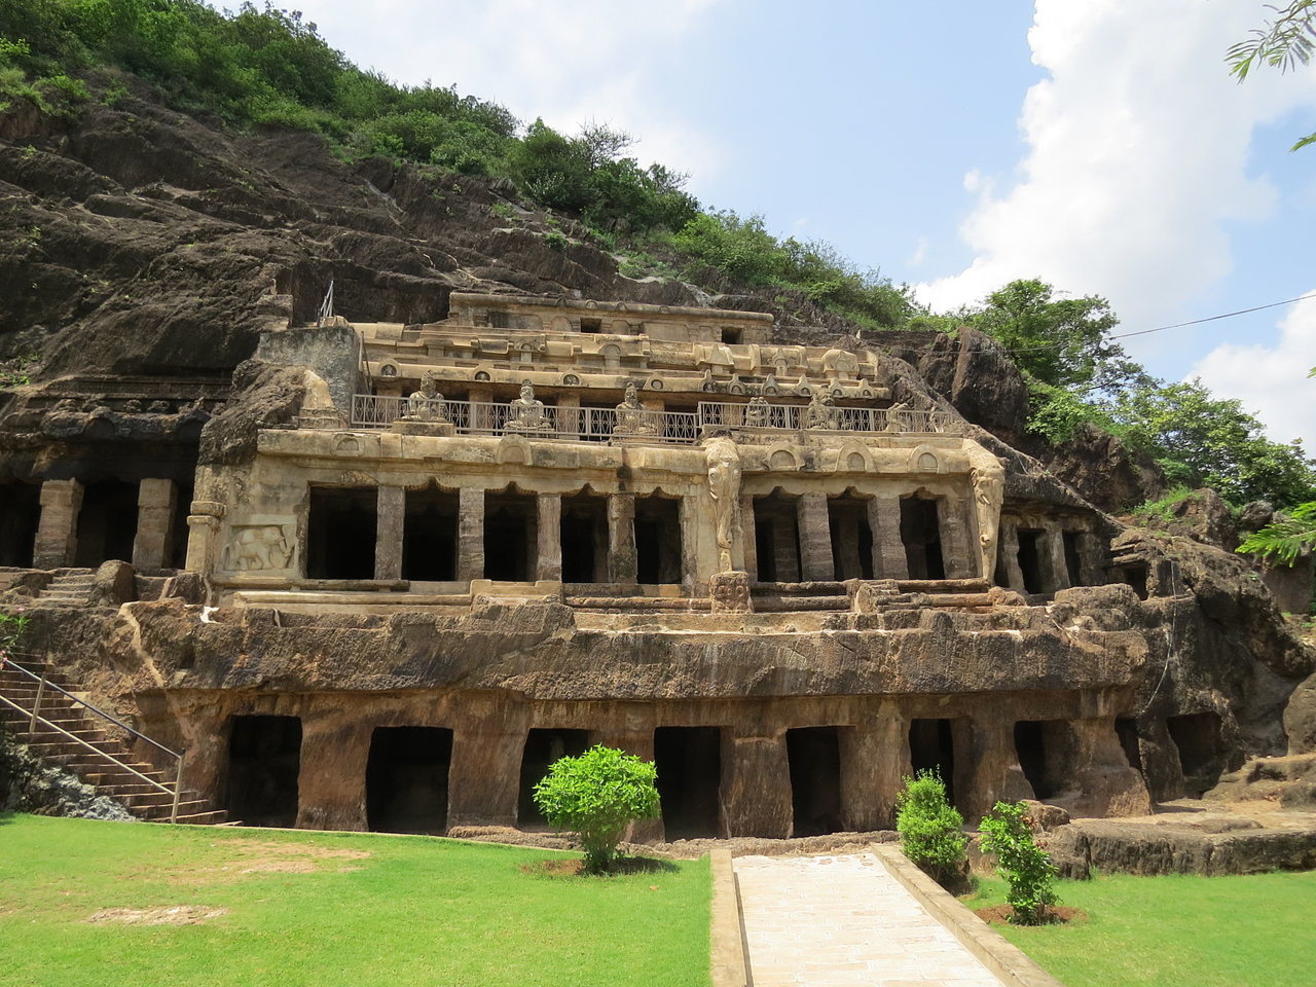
(1099, 144)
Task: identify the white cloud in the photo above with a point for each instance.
(920, 253)
(1137, 159)
(1272, 380)
(598, 61)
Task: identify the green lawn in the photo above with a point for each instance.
(1253, 930)
(332, 909)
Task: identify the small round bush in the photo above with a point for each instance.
(596, 796)
(1026, 867)
(931, 829)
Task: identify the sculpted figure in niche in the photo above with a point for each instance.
(897, 417)
(427, 404)
(527, 413)
(724, 486)
(988, 496)
(632, 418)
(821, 413)
(756, 413)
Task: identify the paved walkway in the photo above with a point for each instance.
(841, 921)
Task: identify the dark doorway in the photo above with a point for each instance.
(777, 538)
(852, 538)
(1030, 559)
(20, 515)
(920, 530)
(1201, 754)
(1126, 728)
(340, 538)
(542, 748)
(657, 540)
(814, 755)
(1135, 576)
(264, 761)
(407, 780)
(932, 748)
(178, 529)
(585, 538)
(511, 525)
(1073, 562)
(429, 536)
(107, 523)
(1045, 749)
(689, 761)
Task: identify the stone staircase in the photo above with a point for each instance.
(901, 594)
(70, 587)
(103, 759)
(799, 597)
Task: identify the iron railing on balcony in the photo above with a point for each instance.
(602, 424)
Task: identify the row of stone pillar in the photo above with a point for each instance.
(392, 510)
(1054, 571)
(57, 532)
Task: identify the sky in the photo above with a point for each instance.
(1100, 145)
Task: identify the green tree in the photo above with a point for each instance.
(1026, 867)
(1285, 539)
(596, 796)
(1287, 40)
(931, 829)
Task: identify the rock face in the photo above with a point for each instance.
(26, 785)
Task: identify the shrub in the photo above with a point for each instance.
(1026, 867)
(931, 829)
(596, 796)
(11, 631)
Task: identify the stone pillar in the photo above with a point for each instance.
(57, 532)
(548, 549)
(331, 783)
(815, 539)
(957, 553)
(470, 534)
(689, 522)
(484, 777)
(1109, 785)
(1007, 549)
(203, 536)
(390, 519)
(1091, 555)
(785, 550)
(153, 544)
(889, 559)
(756, 786)
(621, 538)
(990, 771)
(874, 759)
(1053, 559)
(748, 538)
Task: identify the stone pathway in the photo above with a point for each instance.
(844, 920)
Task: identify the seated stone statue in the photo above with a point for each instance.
(631, 416)
(427, 404)
(821, 413)
(527, 413)
(756, 413)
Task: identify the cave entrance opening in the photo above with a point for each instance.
(107, 523)
(585, 538)
(920, 530)
(1201, 752)
(511, 526)
(407, 780)
(777, 538)
(176, 558)
(689, 762)
(852, 537)
(264, 761)
(340, 533)
(814, 756)
(1030, 559)
(932, 748)
(1046, 750)
(542, 748)
(1126, 728)
(658, 540)
(20, 516)
(1134, 575)
(429, 536)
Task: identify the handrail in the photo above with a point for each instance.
(44, 683)
(6, 660)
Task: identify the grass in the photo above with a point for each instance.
(1181, 929)
(316, 908)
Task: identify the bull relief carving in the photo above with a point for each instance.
(258, 547)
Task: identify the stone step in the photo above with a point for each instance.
(791, 604)
(215, 817)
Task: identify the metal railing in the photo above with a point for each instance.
(35, 717)
(601, 424)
